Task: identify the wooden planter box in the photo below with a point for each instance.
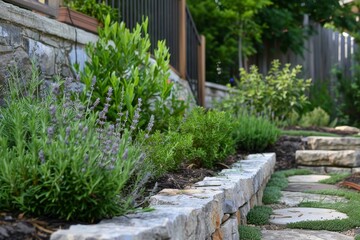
(77, 19)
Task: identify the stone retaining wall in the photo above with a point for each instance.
(214, 93)
(210, 209)
(56, 46)
(330, 155)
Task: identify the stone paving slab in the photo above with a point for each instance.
(344, 158)
(293, 199)
(333, 143)
(312, 178)
(298, 234)
(292, 215)
(302, 187)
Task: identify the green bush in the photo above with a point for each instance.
(212, 136)
(166, 151)
(255, 133)
(93, 8)
(61, 160)
(348, 98)
(249, 233)
(317, 117)
(120, 59)
(259, 215)
(320, 95)
(278, 92)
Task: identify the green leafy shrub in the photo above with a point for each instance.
(320, 95)
(348, 98)
(120, 59)
(317, 117)
(255, 133)
(212, 136)
(166, 151)
(249, 233)
(93, 8)
(259, 215)
(277, 182)
(62, 160)
(278, 92)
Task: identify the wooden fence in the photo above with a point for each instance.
(324, 51)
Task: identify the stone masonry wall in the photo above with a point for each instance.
(211, 209)
(214, 93)
(56, 46)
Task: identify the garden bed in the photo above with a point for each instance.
(210, 208)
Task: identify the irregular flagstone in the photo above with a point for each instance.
(302, 187)
(333, 143)
(338, 170)
(292, 215)
(293, 199)
(348, 128)
(298, 234)
(346, 158)
(307, 178)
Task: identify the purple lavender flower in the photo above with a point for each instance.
(50, 132)
(55, 89)
(125, 155)
(96, 103)
(41, 156)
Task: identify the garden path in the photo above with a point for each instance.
(291, 198)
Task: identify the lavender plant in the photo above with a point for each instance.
(60, 159)
(255, 131)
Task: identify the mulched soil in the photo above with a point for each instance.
(16, 226)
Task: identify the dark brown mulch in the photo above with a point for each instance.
(355, 178)
(352, 181)
(190, 174)
(19, 227)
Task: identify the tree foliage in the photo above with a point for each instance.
(256, 22)
(223, 22)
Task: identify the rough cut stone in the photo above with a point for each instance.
(244, 210)
(338, 170)
(316, 169)
(293, 199)
(230, 230)
(348, 129)
(298, 234)
(292, 215)
(307, 178)
(333, 143)
(195, 213)
(346, 158)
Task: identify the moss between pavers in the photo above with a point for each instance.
(259, 215)
(351, 208)
(278, 181)
(249, 233)
(335, 178)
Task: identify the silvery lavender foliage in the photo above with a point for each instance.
(109, 135)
